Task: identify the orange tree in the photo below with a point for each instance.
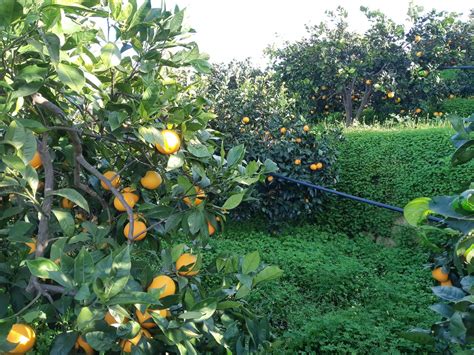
(111, 184)
(386, 68)
(453, 267)
(254, 110)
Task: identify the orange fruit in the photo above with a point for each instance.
(132, 191)
(211, 229)
(23, 336)
(368, 82)
(446, 283)
(152, 180)
(326, 107)
(129, 199)
(451, 96)
(298, 140)
(146, 320)
(297, 161)
(171, 142)
(110, 320)
(82, 344)
(417, 38)
(419, 54)
(282, 130)
(398, 100)
(139, 230)
(324, 87)
(313, 167)
(312, 111)
(126, 344)
(112, 177)
(269, 178)
(165, 283)
(390, 94)
(418, 110)
(245, 120)
(36, 162)
(306, 128)
(402, 111)
(187, 261)
(324, 97)
(439, 275)
(65, 203)
(196, 199)
(440, 114)
(319, 165)
(32, 246)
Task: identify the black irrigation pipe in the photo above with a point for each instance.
(462, 67)
(350, 197)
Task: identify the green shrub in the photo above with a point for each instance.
(391, 166)
(337, 294)
(459, 105)
(239, 91)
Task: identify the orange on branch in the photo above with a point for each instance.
(129, 199)
(187, 261)
(171, 142)
(113, 178)
(36, 162)
(23, 336)
(65, 203)
(439, 275)
(196, 199)
(132, 191)
(139, 230)
(82, 344)
(152, 180)
(165, 283)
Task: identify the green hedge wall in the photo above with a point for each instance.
(391, 166)
(461, 106)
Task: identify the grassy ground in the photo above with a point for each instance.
(338, 294)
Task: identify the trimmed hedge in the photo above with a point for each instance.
(391, 166)
(461, 106)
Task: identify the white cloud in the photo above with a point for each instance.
(228, 29)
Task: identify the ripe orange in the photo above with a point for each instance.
(418, 110)
(187, 261)
(152, 180)
(419, 54)
(440, 114)
(165, 283)
(126, 344)
(245, 120)
(319, 165)
(171, 142)
(324, 87)
(146, 320)
(446, 283)
(402, 111)
(451, 96)
(139, 230)
(282, 130)
(65, 203)
(298, 140)
(82, 344)
(398, 100)
(129, 199)
(390, 94)
(306, 128)
(439, 275)
(36, 162)
(132, 191)
(196, 199)
(269, 178)
(368, 82)
(112, 177)
(312, 112)
(211, 229)
(297, 161)
(23, 336)
(324, 97)
(32, 246)
(417, 38)
(313, 167)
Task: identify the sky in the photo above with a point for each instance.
(237, 29)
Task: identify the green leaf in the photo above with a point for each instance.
(73, 196)
(63, 343)
(417, 210)
(448, 293)
(42, 267)
(15, 135)
(233, 201)
(29, 147)
(201, 311)
(134, 297)
(151, 135)
(10, 11)
(464, 154)
(71, 76)
(83, 267)
(32, 73)
(53, 44)
(65, 221)
(31, 177)
(110, 55)
(268, 274)
(199, 150)
(85, 319)
(100, 341)
(251, 262)
(27, 89)
(175, 161)
(196, 221)
(120, 273)
(235, 155)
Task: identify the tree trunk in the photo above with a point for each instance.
(365, 99)
(347, 101)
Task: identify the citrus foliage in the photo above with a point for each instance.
(106, 156)
(388, 68)
(254, 110)
(452, 268)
